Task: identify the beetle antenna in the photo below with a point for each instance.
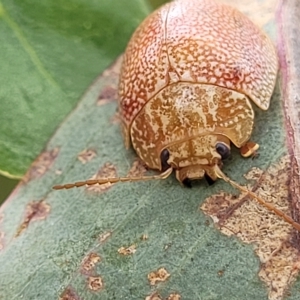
(100, 181)
(269, 206)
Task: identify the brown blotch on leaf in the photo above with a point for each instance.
(154, 296)
(157, 296)
(158, 276)
(252, 223)
(221, 272)
(104, 236)
(107, 171)
(35, 210)
(69, 294)
(41, 165)
(89, 262)
(108, 94)
(127, 251)
(174, 296)
(138, 169)
(86, 155)
(95, 283)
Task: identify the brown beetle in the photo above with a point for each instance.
(189, 74)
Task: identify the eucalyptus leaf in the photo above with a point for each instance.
(50, 52)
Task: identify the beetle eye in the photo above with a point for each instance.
(164, 156)
(223, 150)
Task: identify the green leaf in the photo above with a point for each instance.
(66, 243)
(51, 51)
(179, 237)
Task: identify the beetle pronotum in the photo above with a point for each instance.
(189, 74)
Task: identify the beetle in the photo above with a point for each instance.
(190, 74)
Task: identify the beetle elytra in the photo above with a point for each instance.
(191, 73)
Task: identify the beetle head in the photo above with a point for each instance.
(193, 158)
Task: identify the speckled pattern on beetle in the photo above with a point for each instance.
(191, 73)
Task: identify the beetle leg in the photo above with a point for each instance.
(249, 149)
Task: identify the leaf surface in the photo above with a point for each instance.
(51, 52)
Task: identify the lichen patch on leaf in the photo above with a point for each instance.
(107, 171)
(95, 283)
(127, 250)
(87, 269)
(295, 190)
(157, 296)
(69, 294)
(174, 296)
(41, 165)
(280, 271)
(138, 169)
(154, 296)
(86, 155)
(252, 223)
(89, 262)
(103, 237)
(35, 210)
(158, 276)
